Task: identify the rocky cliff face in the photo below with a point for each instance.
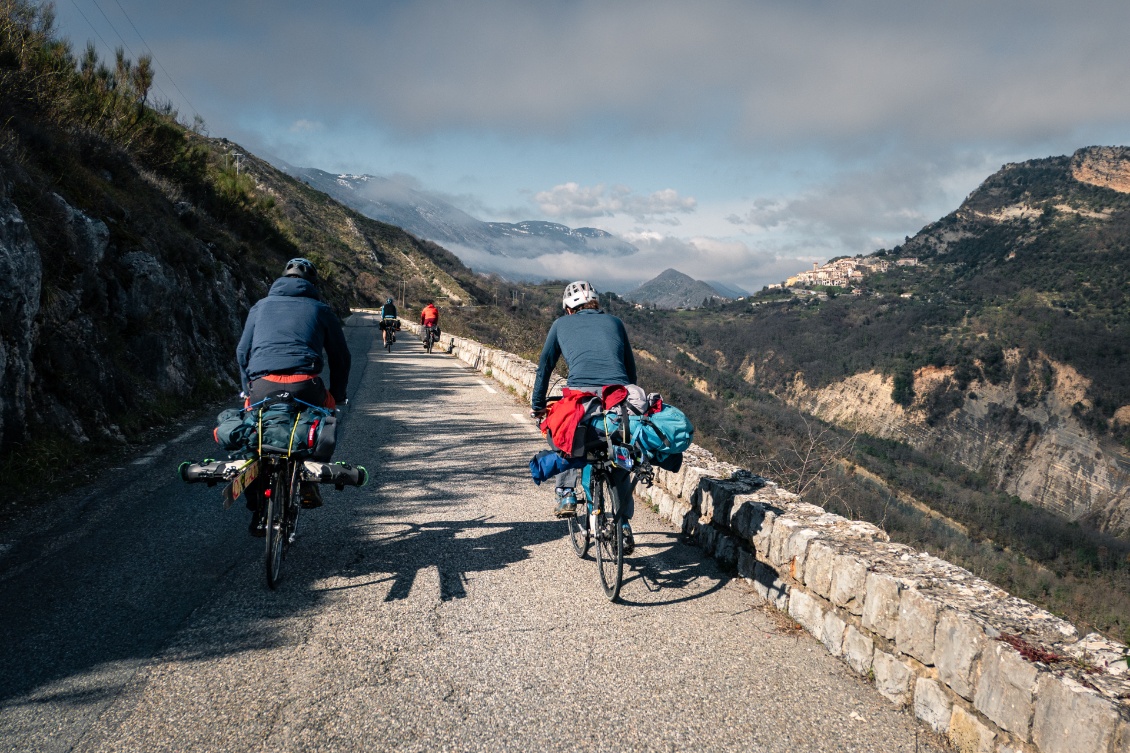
(21, 275)
(1034, 447)
(121, 329)
(1107, 167)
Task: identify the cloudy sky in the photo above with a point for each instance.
(734, 140)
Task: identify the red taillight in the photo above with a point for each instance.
(266, 492)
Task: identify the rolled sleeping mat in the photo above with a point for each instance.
(338, 474)
(210, 471)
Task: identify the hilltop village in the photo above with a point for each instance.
(843, 273)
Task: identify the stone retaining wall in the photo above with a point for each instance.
(992, 672)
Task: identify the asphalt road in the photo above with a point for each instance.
(438, 608)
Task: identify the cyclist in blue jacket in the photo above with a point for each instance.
(389, 322)
(281, 350)
(596, 349)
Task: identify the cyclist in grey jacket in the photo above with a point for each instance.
(281, 351)
(596, 349)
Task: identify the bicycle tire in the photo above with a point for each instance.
(294, 503)
(428, 340)
(276, 526)
(609, 538)
(579, 530)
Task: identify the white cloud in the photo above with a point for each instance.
(856, 74)
(728, 261)
(570, 201)
(865, 210)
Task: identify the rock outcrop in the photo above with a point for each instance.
(1035, 448)
(117, 332)
(21, 277)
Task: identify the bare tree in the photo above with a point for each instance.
(811, 465)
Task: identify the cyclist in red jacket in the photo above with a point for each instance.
(429, 317)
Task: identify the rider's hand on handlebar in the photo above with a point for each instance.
(537, 414)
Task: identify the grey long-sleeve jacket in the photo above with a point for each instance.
(286, 332)
(596, 348)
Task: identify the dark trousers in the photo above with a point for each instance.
(621, 479)
(311, 391)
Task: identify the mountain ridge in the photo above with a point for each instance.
(672, 289)
(431, 218)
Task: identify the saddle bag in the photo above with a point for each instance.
(232, 431)
(291, 429)
(282, 427)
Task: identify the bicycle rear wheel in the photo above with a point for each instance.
(428, 340)
(609, 537)
(579, 529)
(279, 493)
(294, 503)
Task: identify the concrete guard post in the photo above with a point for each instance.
(992, 672)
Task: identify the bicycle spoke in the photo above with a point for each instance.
(579, 530)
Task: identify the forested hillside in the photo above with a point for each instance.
(1004, 348)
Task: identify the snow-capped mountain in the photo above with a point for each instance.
(431, 218)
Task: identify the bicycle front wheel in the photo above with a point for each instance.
(276, 524)
(609, 538)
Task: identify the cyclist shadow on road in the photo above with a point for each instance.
(669, 570)
(454, 548)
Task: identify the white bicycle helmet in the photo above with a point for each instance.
(577, 294)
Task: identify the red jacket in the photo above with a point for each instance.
(564, 416)
(430, 315)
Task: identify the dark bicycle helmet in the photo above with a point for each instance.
(300, 267)
(388, 301)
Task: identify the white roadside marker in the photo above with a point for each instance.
(488, 388)
(187, 434)
(150, 456)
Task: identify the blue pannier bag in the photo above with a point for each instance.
(548, 463)
(662, 434)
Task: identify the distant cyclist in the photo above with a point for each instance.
(388, 322)
(429, 317)
(281, 350)
(597, 351)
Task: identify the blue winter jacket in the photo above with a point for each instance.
(286, 332)
(596, 349)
